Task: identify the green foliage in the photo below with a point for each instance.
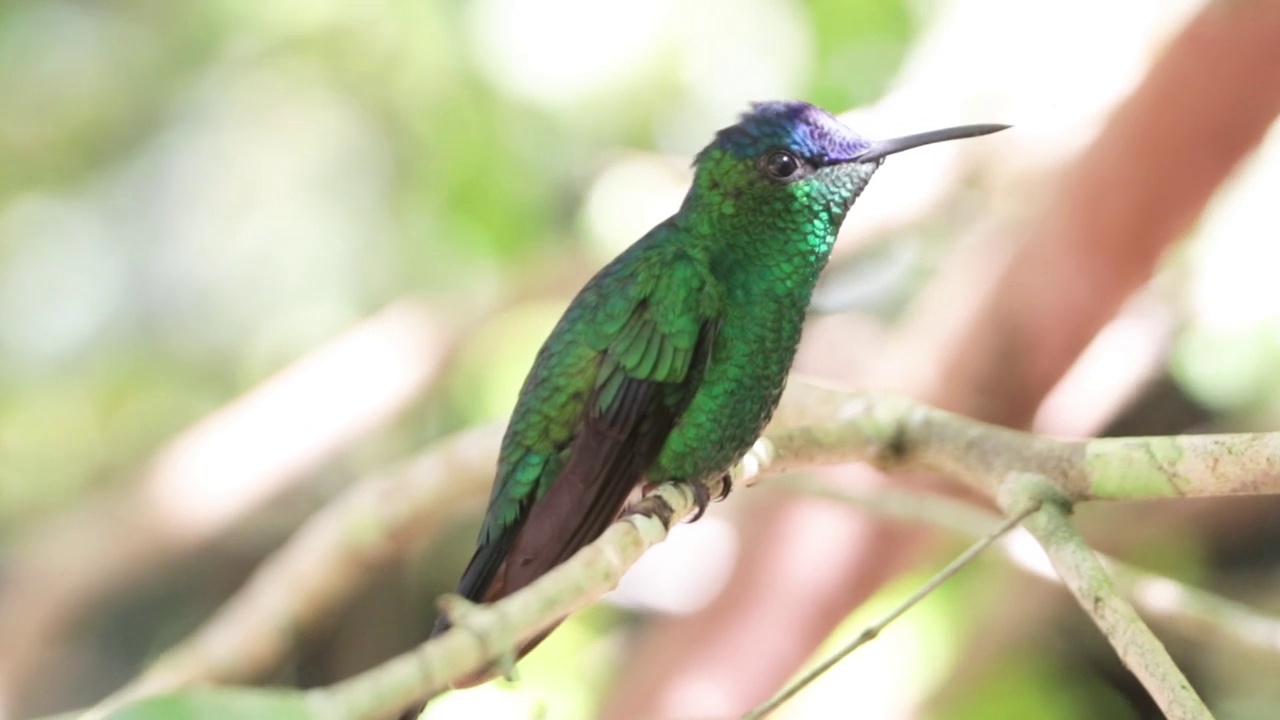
(208, 191)
(194, 195)
(1230, 370)
(859, 46)
(219, 704)
(1027, 686)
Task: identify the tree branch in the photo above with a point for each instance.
(1084, 576)
(322, 566)
(898, 434)
(1189, 609)
(889, 432)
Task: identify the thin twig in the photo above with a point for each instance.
(1191, 610)
(872, 631)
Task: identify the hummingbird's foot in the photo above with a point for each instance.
(726, 486)
(701, 498)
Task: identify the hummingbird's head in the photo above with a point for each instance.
(791, 160)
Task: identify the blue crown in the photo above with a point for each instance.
(804, 129)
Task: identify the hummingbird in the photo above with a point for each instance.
(669, 362)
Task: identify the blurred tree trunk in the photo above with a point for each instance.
(990, 341)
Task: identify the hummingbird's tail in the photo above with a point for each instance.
(605, 461)
(487, 578)
(576, 509)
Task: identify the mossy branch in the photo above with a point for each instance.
(1078, 566)
(898, 434)
(815, 426)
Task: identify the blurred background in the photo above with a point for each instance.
(251, 252)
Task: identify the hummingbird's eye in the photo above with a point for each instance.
(782, 165)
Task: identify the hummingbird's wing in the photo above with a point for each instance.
(641, 391)
(603, 395)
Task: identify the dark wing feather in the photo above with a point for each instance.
(629, 415)
(580, 503)
(642, 340)
(609, 454)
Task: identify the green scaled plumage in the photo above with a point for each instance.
(670, 361)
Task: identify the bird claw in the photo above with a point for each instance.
(726, 486)
(702, 496)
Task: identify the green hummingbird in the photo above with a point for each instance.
(670, 361)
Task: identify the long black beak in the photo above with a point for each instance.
(883, 148)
